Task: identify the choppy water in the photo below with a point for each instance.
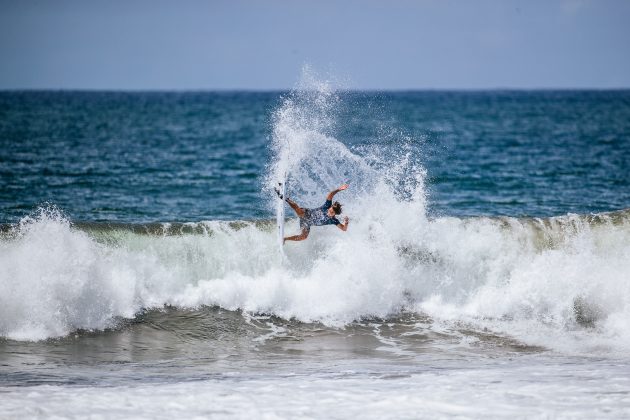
(144, 157)
(484, 273)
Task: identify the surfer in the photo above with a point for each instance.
(320, 216)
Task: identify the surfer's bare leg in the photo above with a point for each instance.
(299, 237)
(298, 210)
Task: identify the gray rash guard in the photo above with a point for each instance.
(318, 217)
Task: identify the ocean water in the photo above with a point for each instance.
(485, 271)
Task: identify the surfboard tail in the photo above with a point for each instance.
(278, 192)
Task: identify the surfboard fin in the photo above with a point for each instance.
(280, 196)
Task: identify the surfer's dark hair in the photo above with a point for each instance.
(336, 207)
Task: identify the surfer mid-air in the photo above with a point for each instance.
(320, 216)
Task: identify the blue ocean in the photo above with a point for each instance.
(485, 271)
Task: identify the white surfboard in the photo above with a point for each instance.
(282, 187)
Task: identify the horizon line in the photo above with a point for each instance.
(275, 90)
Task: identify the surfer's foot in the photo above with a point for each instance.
(278, 192)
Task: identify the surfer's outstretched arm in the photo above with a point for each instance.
(344, 226)
(333, 192)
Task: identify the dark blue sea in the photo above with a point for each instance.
(164, 156)
(485, 271)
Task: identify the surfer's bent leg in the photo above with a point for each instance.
(298, 210)
(299, 237)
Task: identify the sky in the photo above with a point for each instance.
(263, 44)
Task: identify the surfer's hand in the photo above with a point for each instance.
(346, 220)
(343, 187)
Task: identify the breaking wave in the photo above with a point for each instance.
(560, 282)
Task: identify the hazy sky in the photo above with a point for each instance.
(258, 44)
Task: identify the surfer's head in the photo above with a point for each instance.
(335, 209)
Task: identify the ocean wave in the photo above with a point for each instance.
(566, 273)
(558, 282)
